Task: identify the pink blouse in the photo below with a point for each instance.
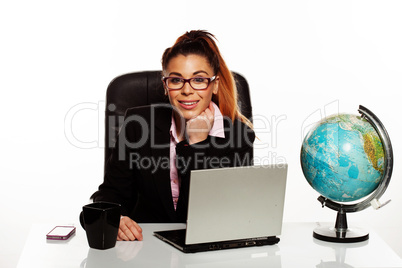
(217, 130)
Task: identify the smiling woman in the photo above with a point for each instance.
(201, 43)
(159, 145)
(191, 101)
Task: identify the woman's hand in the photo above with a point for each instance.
(197, 129)
(129, 230)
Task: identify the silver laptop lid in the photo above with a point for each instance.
(236, 203)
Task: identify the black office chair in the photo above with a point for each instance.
(144, 88)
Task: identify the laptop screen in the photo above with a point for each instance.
(236, 203)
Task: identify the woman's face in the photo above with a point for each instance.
(188, 101)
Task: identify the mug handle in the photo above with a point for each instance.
(82, 220)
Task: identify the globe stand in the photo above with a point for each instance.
(341, 233)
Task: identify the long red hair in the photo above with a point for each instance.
(202, 43)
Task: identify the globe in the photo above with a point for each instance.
(348, 159)
(342, 158)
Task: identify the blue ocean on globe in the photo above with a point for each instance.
(342, 158)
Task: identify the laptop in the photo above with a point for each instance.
(232, 208)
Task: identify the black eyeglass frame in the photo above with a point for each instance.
(210, 79)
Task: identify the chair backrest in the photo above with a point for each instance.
(145, 88)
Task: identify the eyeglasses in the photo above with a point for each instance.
(197, 83)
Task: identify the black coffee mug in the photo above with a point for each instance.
(101, 222)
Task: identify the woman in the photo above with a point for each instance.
(190, 133)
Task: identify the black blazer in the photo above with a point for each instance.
(137, 174)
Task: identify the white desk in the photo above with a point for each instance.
(297, 248)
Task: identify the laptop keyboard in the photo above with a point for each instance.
(175, 236)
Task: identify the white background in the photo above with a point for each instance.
(302, 59)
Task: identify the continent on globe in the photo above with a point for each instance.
(342, 158)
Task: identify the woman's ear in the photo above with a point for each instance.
(216, 85)
(165, 89)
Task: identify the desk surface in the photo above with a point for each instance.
(297, 248)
